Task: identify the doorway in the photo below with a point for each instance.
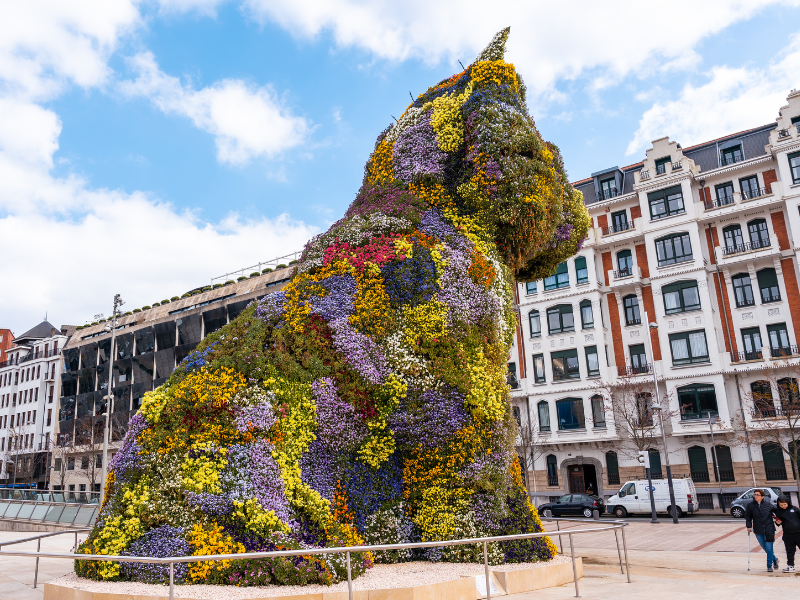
(583, 479)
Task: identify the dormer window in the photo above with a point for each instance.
(661, 165)
(608, 188)
(732, 155)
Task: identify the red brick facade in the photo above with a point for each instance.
(616, 329)
(722, 295)
(636, 212)
(790, 281)
(641, 259)
(770, 177)
(6, 341)
(602, 221)
(649, 306)
(779, 225)
(607, 265)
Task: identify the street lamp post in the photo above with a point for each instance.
(656, 406)
(716, 461)
(109, 395)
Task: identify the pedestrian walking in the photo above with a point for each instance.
(758, 518)
(788, 517)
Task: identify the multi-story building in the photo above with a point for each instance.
(705, 241)
(28, 400)
(6, 342)
(149, 344)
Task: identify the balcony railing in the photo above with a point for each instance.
(755, 193)
(676, 166)
(746, 247)
(633, 321)
(770, 412)
(613, 479)
(718, 202)
(696, 416)
(776, 474)
(784, 351)
(552, 480)
(726, 475)
(730, 160)
(656, 474)
(738, 357)
(607, 194)
(644, 174)
(622, 273)
(783, 133)
(631, 371)
(701, 476)
(797, 127)
(617, 228)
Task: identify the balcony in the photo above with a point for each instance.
(776, 474)
(726, 475)
(634, 371)
(623, 273)
(608, 194)
(770, 412)
(746, 247)
(700, 476)
(627, 226)
(719, 202)
(740, 357)
(784, 352)
(644, 174)
(613, 479)
(730, 160)
(755, 193)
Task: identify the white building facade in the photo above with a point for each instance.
(704, 240)
(28, 406)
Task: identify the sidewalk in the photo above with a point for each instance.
(16, 572)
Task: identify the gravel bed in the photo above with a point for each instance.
(378, 578)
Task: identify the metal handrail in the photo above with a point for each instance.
(347, 550)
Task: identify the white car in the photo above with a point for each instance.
(634, 497)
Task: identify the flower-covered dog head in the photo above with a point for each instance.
(469, 146)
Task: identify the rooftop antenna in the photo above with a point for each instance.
(412, 95)
(462, 65)
(395, 118)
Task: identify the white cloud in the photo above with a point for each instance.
(246, 121)
(549, 41)
(733, 99)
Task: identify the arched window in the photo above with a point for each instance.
(681, 296)
(544, 415)
(581, 272)
(612, 467)
(774, 466)
(624, 264)
(723, 463)
(644, 414)
(734, 242)
(788, 393)
(587, 318)
(655, 464)
(698, 465)
(552, 470)
(743, 290)
(768, 284)
(697, 401)
(759, 234)
(631, 304)
(598, 411)
(570, 414)
(536, 323)
(560, 319)
(761, 391)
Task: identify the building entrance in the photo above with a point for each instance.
(582, 479)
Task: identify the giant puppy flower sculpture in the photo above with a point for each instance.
(367, 402)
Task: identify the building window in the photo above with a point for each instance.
(598, 411)
(581, 272)
(688, 348)
(536, 323)
(560, 319)
(768, 284)
(544, 415)
(530, 287)
(565, 365)
(608, 188)
(774, 466)
(624, 263)
(681, 296)
(761, 392)
(638, 359)
(759, 234)
(552, 471)
(724, 194)
(619, 221)
(749, 186)
(631, 304)
(789, 394)
(612, 467)
(538, 368)
(665, 203)
(592, 361)
(511, 376)
(751, 337)
(698, 464)
(587, 317)
(743, 290)
(661, 164)
(559, 279)
(734, 242)
(673, 249)
(723, 463)
(570, 414)
(794, 165)
(732, 155)
(779, 340)
(644, 413)
(697, 401)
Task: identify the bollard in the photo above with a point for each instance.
(36, 572)
(596, 514)
(574, 566)
(349, 579)
(486, 572)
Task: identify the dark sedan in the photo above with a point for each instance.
(573, 505)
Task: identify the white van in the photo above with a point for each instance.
(634, 497)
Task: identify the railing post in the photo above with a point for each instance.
(560, 541)
(76, 540)
(171, 581)
(36, 572)
(486, 572)
(625, 547)
(574, 567)
(349, 579)
(619, 552)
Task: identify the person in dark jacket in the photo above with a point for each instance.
(758, 517)
(788, 517)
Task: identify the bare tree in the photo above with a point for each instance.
(532, 444)
(774, 420)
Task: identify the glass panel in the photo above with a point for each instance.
(794, 164)
(570, 414)
(749, 187)
(143, 367)
(165, 363)
(725, 193)
(124, 346)
(165, 335)
(743, 290)
(620, 220)
(71, 358)
(530, 287)
(581, 272)
(672, 301)
(768, 283)
(680, 349)
(182, 352)
(624, 263)
(587, 318)
(538, 368)
(122, 371)
(89, 355)
(544, 416)
(598, 411)
(236, 308)
(104, 350)
(215, 319)
(535, 323)
(697, 342)
(145, 340)
(759, 234)
(733, 238)
(189, 331)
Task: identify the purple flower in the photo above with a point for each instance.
(213, 505)
(267, 481)
(128, 456)
(160, 542)
(341, 429)
(466, 300)
(260, 416)
(436, 417)
(417, 153)
(271, 307)
(360, 351)
(338, 303)
(318, 469)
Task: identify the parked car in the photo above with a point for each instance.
(634, 497)
(573, 505)
(738, 505)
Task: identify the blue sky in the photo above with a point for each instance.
(146, 146)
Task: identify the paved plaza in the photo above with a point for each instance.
(697, 558)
